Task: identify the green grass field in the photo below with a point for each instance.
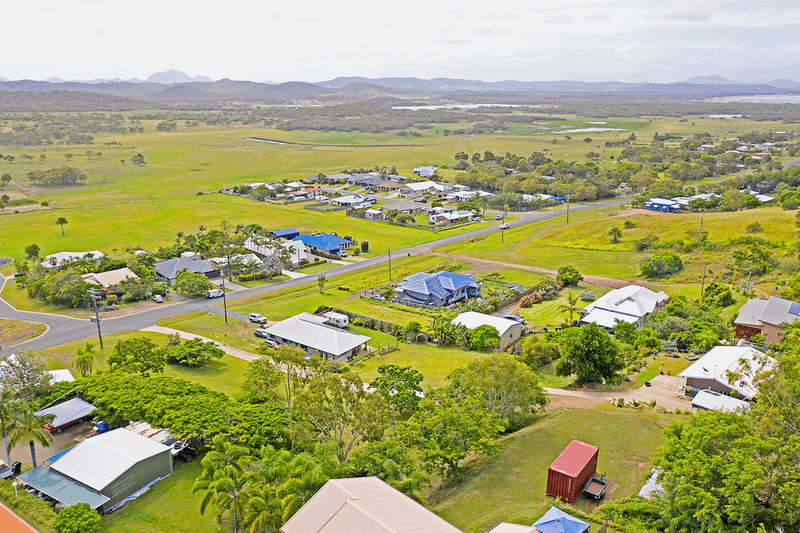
(510, 486)
(17, 331)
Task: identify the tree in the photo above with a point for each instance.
(291, 363)
(223, 480)
(390, 461)
(61, 221)
(138, 355)
(661, 265)
(9, 406)
(84, 359)
(614, 234)
(260, 381)
(483, 337)
(24, 372)
(30, 428)
(590, 354)
(400, 388)
(336, 408)
(5, 179)
(192, 353)
(507, 387)
(321, 279)
(32, 251)
(137, 159)
(228, 242)
(446, 430)
(569, 276)
(78, 518)
(570, 306)
(191, 284)
(364, 246)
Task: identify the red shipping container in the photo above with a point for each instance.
(571, 470)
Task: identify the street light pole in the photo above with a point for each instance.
(94, 296)
(568, 197)
(390, 261)
(224, 298)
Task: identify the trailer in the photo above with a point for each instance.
(595, 488)
(67, 414)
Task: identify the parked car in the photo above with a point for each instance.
(271, 343)
(94, 319)
(499, 217)
(258, 318)
(157, 298)
(515, 318)
(19, 275)
(214, 293)
(261, 333)
(378, 297)
(342, 254)
(505, 226)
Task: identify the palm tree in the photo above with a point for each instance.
(62, 222)
(84, 359)
(223, 479)
(571, 305)
(614, 234)
(30, 427)
(9, 406)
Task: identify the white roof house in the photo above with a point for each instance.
(629, 304)
(296, 249)
(713, 370)
(310, 332)
(60, 375)
(61, 258)
(248, 260)
(509, 330)
(364, 505)
(714, 401)
(349, 200)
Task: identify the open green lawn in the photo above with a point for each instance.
(17, 331)
(236, 333)
(511, 485)
(170, 506)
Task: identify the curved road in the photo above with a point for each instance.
(63, 329)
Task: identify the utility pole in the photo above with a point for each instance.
(568, 197)
(224, 298)
(94, 295)
(700, 236)
(390, 261)
(703, 283)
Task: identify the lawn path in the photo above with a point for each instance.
(230, 350)
(665, 390)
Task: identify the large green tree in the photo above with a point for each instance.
(400, 388)
(590, 354)
(137, 355)
(192, 353)
(191, 284)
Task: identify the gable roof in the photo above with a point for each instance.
(365, 505)
(774, 311)
(721, 360)
(326, 241)
(66, 411)
(632, 300)
(170, 267)
(473, 319)
(98, 461)
(112, 277)
(287, 233)
(309, 330)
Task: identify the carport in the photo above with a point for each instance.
(61, 488)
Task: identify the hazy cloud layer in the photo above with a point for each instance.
(659, 41)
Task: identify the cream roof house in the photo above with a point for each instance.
(112, 277)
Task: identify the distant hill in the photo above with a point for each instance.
(174, 76)
(710, 80)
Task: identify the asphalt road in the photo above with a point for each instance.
(62, 329)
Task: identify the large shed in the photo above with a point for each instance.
(571, 470)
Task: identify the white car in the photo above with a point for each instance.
(258, 318)
(214, 293)
(499, 217)
(505, 226)
(157, 298)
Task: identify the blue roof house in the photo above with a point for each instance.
(661, 204)
(288, 233)
(440, 288)
(425, 172)
(557, 521)
(327, 243)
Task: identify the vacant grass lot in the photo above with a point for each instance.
(17, 331)
(511, 485)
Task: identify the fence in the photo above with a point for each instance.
(435, 229)
(325, 208)
(515, 298)
(5, 261)
(377, 324)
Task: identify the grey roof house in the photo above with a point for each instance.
(168, 269)
(310, 333)
(766, 317)
(440, 288)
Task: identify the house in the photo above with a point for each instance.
(509, 330)
(248, 261)
(102, 471)
(629, 304)
(440, 288)
(336, 178)
(168, 270)
(310, 333)
(112, 277)
(293, 186)
(709, 400)
(412, 208)
(373, 214)
(425, 172)
(420, 188)
(390, 186)
(448, 218)
(288, 233)
(662, 204)
(326, 243)
(295, 250)
(766, 317)
(61, 259)
(349, 200)
(364, 505)
(557, 521)
(714, 371)
(707, 147)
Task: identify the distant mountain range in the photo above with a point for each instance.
(175, 87)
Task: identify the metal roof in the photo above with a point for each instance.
(714, 401)
(722, 360)
(366, 505)
(750, 313)
(326, 241)
(98, 461)
(473, 319)
(632, 300)
(557, 521)
(170, 267)
(61, 488)
(574, 457)
(505, 527)
(67, 411)
(607, 319)
(308, 330)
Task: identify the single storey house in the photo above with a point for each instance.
(389, 186)
(631, 304)
(766, 317)
(349, 200)
(168, 270)
(311, 333)
(715, 371)
(449, 218)
(509, 330)
(62, 259)
(112, 277)
(288, 233)
(440, 288)
(295, 250)
(425, 172)
(662, 204)
(327, 243)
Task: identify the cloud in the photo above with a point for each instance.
(560, 19)
(627, 49)
(597, 16)
(692, 16)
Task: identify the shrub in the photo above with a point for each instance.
(569, 276)
(629, 224)
(547, 288)
(365, 246)
(78, 518)
(755, 227)
(662, 265)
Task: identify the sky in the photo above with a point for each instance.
(310, 40)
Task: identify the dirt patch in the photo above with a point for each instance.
(571, 403)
